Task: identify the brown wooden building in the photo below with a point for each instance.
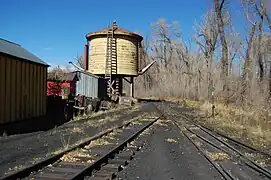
(23, 81)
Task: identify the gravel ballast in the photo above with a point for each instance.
(168, 155)
(20, 151)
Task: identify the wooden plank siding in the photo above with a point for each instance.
(12, 89)
(23, 89)
(38, 94)
(23, 92)
(3, 89)
(27, 91)
(7, 95)
(44, 89)
(19, 90)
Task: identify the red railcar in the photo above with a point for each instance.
(62, 88)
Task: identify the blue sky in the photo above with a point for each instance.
(55, 30)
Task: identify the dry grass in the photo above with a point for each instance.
(162, 123)
(136, 123)
(35, 160)
(251, 125)
(198, 143)
(95, 123)
(131, 145)
(95, 114)
(194, 128)
(143, 117)
(66, 144)
(220, 156)
(112, 135)
(171, 140)
(76, 155)
(77, 130)
(172, 99)
(193, 136)
(146, 132)
(17, 168)
(4, 134)
(98, 142)
(192, 104)
(259, 159)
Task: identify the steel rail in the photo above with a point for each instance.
(260, 170)
(229, 138)
(254, 165)
(263, 170)
(88, 170)
(225, 174)
(237, 142)
(35, 167)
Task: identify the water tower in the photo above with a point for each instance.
(113, 53)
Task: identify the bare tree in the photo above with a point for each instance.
(247, 73)
(225, 61)
(206, 38)
(238, 62)
(260, 27)
(163, 33)
(145, 60)
(79, 61)
(56, 73)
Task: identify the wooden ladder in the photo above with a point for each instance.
(111, 59)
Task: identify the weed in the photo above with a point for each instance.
(35, 160)
(220, 156)
(198, 143)
(258, 158)
(251, 126)
(4, 134)
(192, 136)
(162, 123)
(16, 168)
(171, 140)
(65, 143)
(79, 155)
(98, 142)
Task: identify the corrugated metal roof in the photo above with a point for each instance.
(69, 76)
(16, 50)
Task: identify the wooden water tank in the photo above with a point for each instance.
(128, 45)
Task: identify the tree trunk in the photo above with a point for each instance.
(269, 24)
(198, 84)
(267, 17)
(260, 61)
(209, 76)
(247, 75)
(225, 64)
(270, 80)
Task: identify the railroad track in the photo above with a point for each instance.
(100, 157)
(228, 160)
(227, 155)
